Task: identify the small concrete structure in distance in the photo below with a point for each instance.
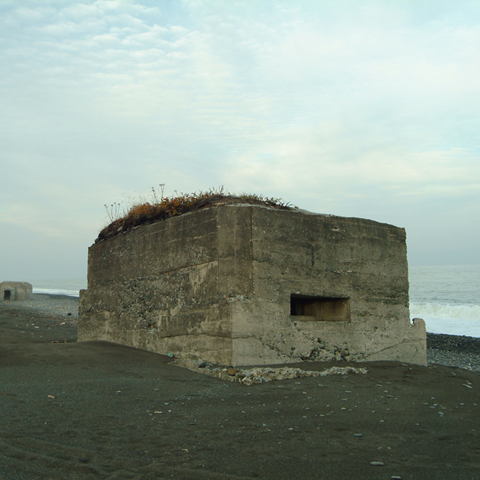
(249, 285)
(10, 291)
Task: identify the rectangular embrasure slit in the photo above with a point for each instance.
(323, 309)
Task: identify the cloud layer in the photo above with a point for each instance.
(353, 108)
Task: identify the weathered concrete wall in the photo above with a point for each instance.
(10, 291)
(218, 284)
(156, 288)
(326, 256)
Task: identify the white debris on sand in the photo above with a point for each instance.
(254, 375)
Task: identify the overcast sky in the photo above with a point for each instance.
(354, 108)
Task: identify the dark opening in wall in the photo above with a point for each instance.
(324, 309)
(7, 294)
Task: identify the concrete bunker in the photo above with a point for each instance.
(242, 284)
(15, 291)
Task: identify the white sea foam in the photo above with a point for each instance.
(55, 291)
(449, 319)
(452, 327)
(439, 311)
(66, 286)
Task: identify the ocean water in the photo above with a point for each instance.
(62, 286)
(446, 297)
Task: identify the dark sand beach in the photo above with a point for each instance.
(73, 410)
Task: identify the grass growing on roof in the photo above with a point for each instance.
(162, 208)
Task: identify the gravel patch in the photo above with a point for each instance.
(54, 305)
(454, 351)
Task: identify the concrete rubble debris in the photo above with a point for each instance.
(255, 375)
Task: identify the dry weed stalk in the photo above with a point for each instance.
(162, 208)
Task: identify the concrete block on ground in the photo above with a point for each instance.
(250, 285)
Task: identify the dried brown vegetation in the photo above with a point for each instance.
(166, 207)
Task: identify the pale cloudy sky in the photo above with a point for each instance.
(355, 108)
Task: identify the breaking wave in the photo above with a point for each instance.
(55, 291)
(448, 319)
(453, 312)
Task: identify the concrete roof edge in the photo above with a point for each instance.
(306, 212)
